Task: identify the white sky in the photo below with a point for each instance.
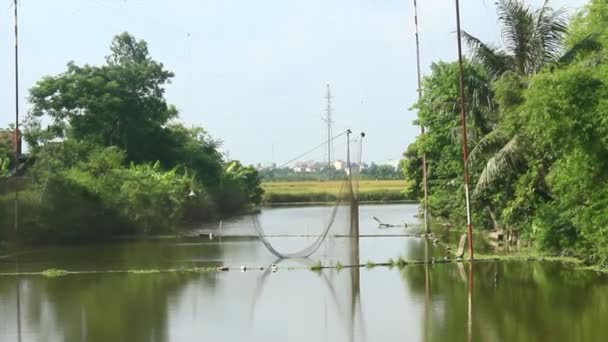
(254, 72)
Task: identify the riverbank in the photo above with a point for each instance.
(482, 239)
(320, 192)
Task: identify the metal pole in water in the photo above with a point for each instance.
(425, 204)
(465, 153)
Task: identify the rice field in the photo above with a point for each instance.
(327, 191)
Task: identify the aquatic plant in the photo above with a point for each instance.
(54, 273)
(339, 266)
(317, 266)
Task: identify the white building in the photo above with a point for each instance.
(339, 165)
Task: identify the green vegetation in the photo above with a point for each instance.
(372, 172)
(54, 273)
(370, 264)
(328, 191)
(339, 266)
(144, 271)
(114, 160)
(537, 118)
(4, 163)
(317, 266)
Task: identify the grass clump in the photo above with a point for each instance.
(400, 263)
(370, 264)
(339, 266)
(144, 271)
(316, 266)
(54, 273)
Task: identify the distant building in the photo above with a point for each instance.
(308, 167)
(339, 165)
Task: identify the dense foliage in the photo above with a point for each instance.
(538, 158)
(114, 160)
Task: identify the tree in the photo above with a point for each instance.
(4, 162)
(118, 104)
(193, 148)
(438, 112)
(532, 39)
(590, 22)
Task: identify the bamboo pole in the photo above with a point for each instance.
(425, 204)
(465, 153)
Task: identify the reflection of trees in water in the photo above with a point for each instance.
(106, 306)
(512, 301)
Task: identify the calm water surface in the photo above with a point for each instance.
(492, 301)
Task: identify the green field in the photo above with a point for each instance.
(328, 191)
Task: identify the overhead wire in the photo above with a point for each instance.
(312, 150)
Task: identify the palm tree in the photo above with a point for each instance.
(532, 39)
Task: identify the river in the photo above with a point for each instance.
(488, 301)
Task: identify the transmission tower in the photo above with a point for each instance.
(329, 126)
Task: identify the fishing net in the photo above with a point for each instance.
(332, 232)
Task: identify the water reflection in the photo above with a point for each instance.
(493, 301)
(529, 302)
(18, 286)
(344, 292)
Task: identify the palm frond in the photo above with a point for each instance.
(493, 59)
(517, 32)
(490, 142)
(480, 104)
(548, 35)
(497, 165)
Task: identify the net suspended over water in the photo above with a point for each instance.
(334, 229)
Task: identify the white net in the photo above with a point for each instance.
(333, 232)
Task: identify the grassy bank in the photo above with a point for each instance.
(328, 191)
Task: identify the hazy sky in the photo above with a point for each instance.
(254, 72)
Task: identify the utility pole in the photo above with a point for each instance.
(465, 152)
(425, 204)
(17, 152)
(16, 133)
(329, 124)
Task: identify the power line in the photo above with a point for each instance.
(312, 150)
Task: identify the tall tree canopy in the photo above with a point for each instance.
(531, 38)
(121, 103)
(113, 158)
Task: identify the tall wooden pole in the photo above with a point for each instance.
(425, 203)
(17, 151)
(465, 152)
(16, 133)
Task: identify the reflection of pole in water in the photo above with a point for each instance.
(427, 295)
(18, 302)
(470, 305)
(325, 311)
(355, 282)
